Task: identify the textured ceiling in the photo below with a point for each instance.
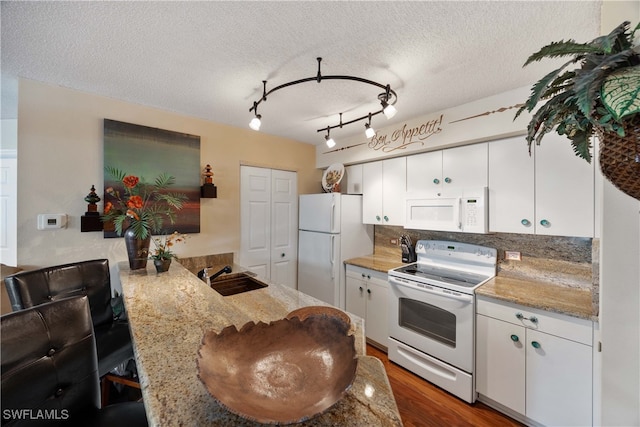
(208, 59)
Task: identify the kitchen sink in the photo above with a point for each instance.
(237, 285)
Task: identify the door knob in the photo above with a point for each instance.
(282, 255)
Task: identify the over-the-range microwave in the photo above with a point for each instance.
(464, 210)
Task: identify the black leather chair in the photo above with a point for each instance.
(91, 278)
(50, 369)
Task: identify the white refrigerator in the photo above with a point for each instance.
(330, 231)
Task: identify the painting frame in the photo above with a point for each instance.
(147, 152)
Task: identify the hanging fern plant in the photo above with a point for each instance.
(602, 93)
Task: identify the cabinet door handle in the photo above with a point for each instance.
(386, 218)
(532, 319)
(535, 344)
(368, 276)
(282, 255)
(436, 181)
(514, 338)
(525, 222)
(360, 289)
(448, 180)
(362, 277)
(369, 291)
(377, 217)
(545, 223)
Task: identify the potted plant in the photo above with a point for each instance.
(139, 211)
(601, 96)
(162, 254)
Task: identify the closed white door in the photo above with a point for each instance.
(269, 223)
(564, 190)
(424, 173)
(500, 362)
(8, 208)
(559, 385)
(372, 193)
(465, 167)
(255, 220)
(511, 187)
(394, 187)
(284, 227)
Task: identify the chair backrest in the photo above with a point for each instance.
(49, 363)
(92, 278)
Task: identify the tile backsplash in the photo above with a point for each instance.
(567, 261)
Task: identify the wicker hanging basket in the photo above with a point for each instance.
(620, 157)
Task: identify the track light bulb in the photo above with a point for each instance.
(369, 132)
(255, 122)
(330, 142)
(389, 110)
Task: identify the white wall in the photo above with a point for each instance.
(60, 155)
(619, 282)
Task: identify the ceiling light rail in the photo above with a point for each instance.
(387, 99)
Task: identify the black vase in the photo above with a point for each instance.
(162, 265)
(137, 249)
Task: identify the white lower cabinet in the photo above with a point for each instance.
(535, 363)
(367, 296)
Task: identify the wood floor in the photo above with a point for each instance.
(422, 404)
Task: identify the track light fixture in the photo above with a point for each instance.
(368, 130)
(255, 122)
(387, 100)
(328, 140)
(388, 109)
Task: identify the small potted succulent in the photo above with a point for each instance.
(601, 96)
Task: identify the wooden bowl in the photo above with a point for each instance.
(284, 372)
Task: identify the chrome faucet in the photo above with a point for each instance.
(204, 273)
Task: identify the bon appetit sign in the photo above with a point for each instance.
(484, 120)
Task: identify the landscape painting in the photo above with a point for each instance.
(147, 152)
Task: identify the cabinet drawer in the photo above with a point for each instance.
(579, 330)
(358, 272)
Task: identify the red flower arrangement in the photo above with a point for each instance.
(144, 206)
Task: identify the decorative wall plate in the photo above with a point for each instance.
(332, 176)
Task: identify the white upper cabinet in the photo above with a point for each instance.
(353, 175)
(511, 187)
(383, 195)
(443, 170)
(564, 189)
(548, 193)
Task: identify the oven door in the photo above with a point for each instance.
(437, 323)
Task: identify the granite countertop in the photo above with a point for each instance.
(572, 301)
(170, 312)
(537, 291)
(375, 262)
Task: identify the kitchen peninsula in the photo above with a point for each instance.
(170, 312)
